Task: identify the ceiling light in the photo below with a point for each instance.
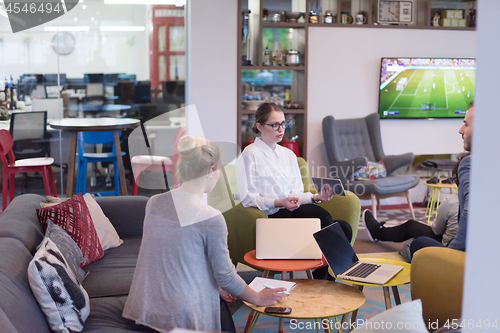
(67, 28)
(3, 13)
(84, 6)
(145, 2)
(122, 28)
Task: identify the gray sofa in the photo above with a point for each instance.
(107, 284)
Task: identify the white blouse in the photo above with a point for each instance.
(264, 174)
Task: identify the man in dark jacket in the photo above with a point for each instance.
(458, 242)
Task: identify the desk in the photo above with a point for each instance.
(91, 108)
(316, 299)
(75, 125)
(433, 202)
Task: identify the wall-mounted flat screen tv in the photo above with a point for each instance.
(426, 87)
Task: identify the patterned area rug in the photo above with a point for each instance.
(374, 303)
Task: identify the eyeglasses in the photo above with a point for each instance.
(276, 126)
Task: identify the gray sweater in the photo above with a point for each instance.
(180, 266)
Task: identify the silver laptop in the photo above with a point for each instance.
(287, 238)
(343, 260)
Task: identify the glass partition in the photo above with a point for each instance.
(101, 59)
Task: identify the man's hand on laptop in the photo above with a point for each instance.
(290, 203)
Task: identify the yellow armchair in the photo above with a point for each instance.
(437, 278)
(241, 220)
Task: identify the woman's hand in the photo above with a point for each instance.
(290, 203)
(226, 296)
(266, 297)
(269, 296)
(325, 194)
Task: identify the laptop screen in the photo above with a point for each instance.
(336, 248)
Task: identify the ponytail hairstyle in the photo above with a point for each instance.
(196, 157)
(262, 114)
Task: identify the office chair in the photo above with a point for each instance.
(141, 163)
(29, 133)
(350, 144)
(11, 166)
(85, 158)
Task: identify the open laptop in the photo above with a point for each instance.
(343, 260)
(287, 238)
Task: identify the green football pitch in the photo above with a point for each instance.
(428, 93)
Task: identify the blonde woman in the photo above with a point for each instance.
(184, 261)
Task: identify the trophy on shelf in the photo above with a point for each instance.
(435, 19)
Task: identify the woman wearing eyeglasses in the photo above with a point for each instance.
(269, 178)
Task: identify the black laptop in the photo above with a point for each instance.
(343, 260)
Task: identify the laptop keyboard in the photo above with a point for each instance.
(363, 270)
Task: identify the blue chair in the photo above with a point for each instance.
(84, 158)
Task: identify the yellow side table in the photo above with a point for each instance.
(433, 201)
(402, 278)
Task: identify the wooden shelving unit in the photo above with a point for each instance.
(298, 89)
(422, 20)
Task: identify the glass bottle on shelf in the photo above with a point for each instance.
(290, 131)
(247, 39)
(267, 59)
(290, 136)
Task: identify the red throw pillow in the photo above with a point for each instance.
(74, 217)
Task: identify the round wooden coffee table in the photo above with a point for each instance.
(316, 299)
(284, 266)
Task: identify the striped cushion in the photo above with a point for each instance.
(74, 217)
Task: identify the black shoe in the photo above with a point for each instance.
(433, 180)
(372, 226)
(448, 181)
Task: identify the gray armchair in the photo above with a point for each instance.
(350, 144)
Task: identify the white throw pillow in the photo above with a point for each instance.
(62, 299)
(404, 318)
(105, 230)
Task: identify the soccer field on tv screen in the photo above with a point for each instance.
(427, 93)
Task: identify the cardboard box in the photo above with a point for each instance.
(461, 23)
(459, 14)
(451, 14)
(445, 22)
(454, 22)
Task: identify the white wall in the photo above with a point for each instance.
(483, 251)
(211, 61)
(343, 81)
